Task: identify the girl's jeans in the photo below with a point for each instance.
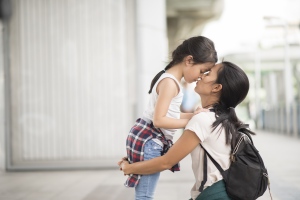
(147, 184)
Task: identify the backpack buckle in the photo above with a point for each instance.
(232, 157)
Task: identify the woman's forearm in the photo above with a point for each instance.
(148, 167)
(182, 147)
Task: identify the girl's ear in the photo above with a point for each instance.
(217, 88)
(189, 60)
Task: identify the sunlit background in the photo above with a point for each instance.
(74, 74)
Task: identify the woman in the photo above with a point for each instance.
(221, 90)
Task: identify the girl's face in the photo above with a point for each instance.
(192, 72)
(207, 82)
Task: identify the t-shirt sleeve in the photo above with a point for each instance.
(201, 125)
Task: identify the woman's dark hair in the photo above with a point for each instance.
(201, 48)
(235, 87)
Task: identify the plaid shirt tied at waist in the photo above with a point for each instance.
(139, 134)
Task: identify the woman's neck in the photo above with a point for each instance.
(208, 106)
(208, 103)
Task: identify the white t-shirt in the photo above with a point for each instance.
(214, 143)
(174, 108)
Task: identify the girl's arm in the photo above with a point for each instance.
(190, 115)
(166, 90)
(186, 115)
(182, 147)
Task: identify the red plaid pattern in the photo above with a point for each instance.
(139, 134)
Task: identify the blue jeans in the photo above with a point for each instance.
(147, 184)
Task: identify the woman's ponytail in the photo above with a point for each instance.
(235, 124)
(232, 125)
(235, 86)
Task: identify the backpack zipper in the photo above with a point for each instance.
(232, 157)
(266, 175)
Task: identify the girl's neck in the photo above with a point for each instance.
(176, 71)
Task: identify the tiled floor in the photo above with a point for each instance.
(280, 153)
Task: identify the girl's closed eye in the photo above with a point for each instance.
(206, 72)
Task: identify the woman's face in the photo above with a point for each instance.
(206, 84)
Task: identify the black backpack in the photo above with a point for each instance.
(246, 178)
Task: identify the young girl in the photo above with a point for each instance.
(152, 134)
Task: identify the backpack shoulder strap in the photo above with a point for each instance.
(205, 167)
(205, 163)
(213, 160)
(204, 173)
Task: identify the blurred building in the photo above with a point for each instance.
(74, 75)
(71, 72)
(263, 37)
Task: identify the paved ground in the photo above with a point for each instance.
(280, 153)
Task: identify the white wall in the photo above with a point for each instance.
(152, 48)
(80, 72)
(69, 86)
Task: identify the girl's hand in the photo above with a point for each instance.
(122, 164)
(199, 109)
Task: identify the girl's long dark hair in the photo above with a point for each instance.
(235, 87)
(201, 48)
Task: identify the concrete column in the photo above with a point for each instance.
(257, 88)
(273, 89)
(2, 124)
(295, 120)
(287, 79)
(152, 46)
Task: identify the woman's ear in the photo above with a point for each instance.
(217, 88)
